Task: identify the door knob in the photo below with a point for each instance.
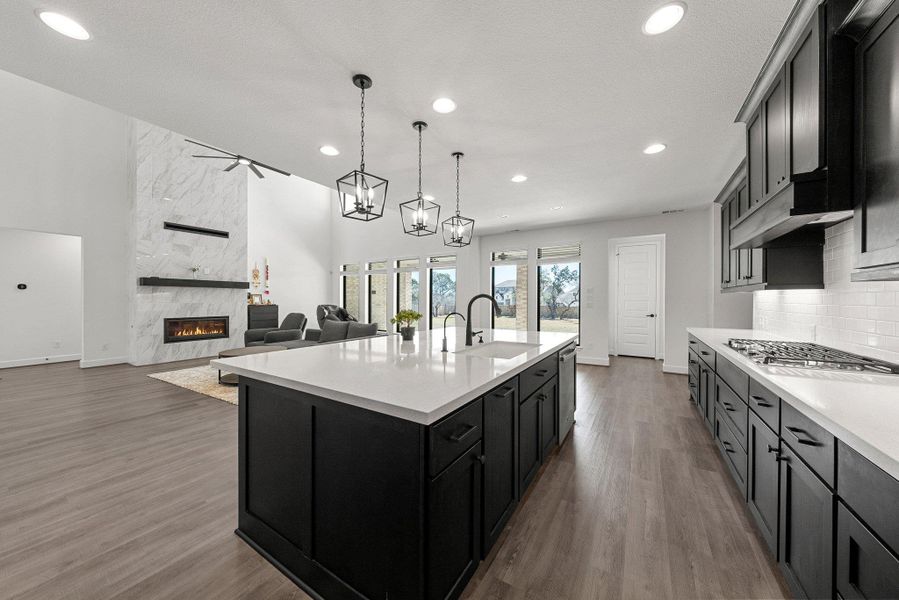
(651, 315)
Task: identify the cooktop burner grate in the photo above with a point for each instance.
(808, 355)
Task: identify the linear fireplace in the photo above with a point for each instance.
(190, 329)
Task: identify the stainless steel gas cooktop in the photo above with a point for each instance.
(809, 356)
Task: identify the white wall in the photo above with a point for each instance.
(289, 222)
(860, 317)
(43, 322)
(65, 170)
(688, 281)
(361, 242)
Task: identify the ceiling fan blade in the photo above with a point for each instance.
(211, 148)
(210, 156)
(259, 164)
(231, 166)
(253, 168)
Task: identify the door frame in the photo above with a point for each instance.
(657, 240)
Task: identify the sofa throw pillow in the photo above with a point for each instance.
(358, 330)
(333, 331)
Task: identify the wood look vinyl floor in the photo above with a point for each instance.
(116, 485)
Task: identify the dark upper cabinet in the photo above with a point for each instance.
(877, 158)
(454, 525)
(763, 482)
(500, 450)
(806, 528)
(549, 418)
(775, 113)
(726, 275)
(799, 128)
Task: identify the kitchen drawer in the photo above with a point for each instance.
(693, 384)
(736, 411)
(704, 351)
(765, 404)
(814, 444)
(734, 376)
(693, 361)
(536, 376)
(865, 567)
(871, 492)
(449, 438)
(733, 453)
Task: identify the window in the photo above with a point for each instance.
(408, 289)
(349, 289)
(377, 294)
(509, 277)
(559, 288)
(442, 289)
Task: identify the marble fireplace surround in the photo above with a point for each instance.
(170, 186)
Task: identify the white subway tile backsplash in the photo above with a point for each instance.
(861, 317)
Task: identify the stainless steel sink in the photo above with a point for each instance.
(503, 350)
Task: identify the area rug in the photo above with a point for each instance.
(200, 379)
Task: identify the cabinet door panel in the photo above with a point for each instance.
(865, 567)
(725, 245)
(500, 449)
(549, 421)
(763, 482)
(755, 134)
(528, 441)
(805, 126)
(776, 138)
(756, 266)
(454, 517)
(806, 528)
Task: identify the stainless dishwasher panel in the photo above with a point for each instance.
(567, 389)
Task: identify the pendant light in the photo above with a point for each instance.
(457, 230)
(362, 195)
(420, 217)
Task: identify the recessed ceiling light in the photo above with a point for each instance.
(243, 161)
(504, 216)
(64, 25)
(444, 105)
(519, 178)
(557, 207)
(329, 150)
(664, 18)
(428, 197)
(654, 148)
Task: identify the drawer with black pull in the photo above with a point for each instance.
(765, 404)
(693, 362)
(734, 409)
(871, 492)
(734, 376)
(814, 444)
(536, 376)
(449, 438)
(734, 454)
(704, 351)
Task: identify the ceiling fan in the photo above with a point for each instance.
(237, 159)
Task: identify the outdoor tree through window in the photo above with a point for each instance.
(559, 289)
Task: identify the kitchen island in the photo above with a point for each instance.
(377, 468)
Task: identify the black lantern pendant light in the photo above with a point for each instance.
(420, 216)
(362, 195)
(457, 230)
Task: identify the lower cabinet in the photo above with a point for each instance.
(500, 449)
(763, 481)
(806, 528)
(549, 420)
(865, 567)
(528, 441)
(454, 519)
(707, 395)
(734, 454)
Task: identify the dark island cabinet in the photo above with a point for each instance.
(528, 441)
(549, 418)
(454, 518)
(500, 453)
(763, 481)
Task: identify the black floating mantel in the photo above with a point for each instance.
(206, 283)
(194, 229)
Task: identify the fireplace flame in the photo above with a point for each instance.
(200, 330)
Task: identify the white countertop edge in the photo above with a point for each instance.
(883, 460)
(420, 417)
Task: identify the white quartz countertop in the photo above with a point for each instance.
(410, 380)
(861, 409)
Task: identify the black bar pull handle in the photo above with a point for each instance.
(507, 391)
(463, 433)
(807, 442)
(761, 401)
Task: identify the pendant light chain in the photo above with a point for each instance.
(419, 162)
(457, 184)
(362, 137)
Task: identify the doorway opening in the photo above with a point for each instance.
(637, 296)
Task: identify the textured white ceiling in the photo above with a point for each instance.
(568, 92)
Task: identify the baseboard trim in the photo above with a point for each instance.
(599, 361)
(43, 360)
(102, 362)
(676, 369)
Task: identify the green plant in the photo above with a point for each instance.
(406, 318)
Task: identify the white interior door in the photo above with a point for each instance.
(636, 304)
